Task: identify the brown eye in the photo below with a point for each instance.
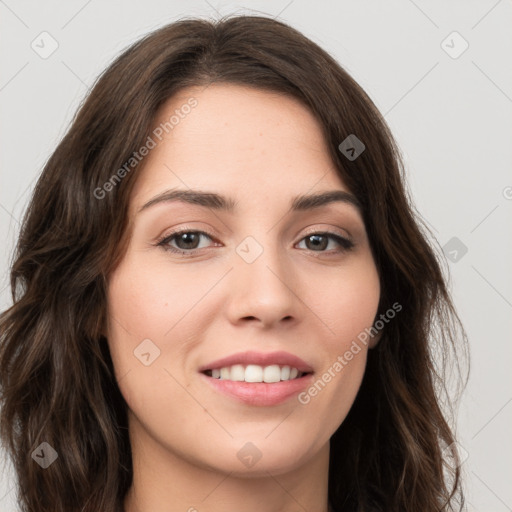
(185, 241)
(318, 242)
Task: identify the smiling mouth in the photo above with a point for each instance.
(255, 373)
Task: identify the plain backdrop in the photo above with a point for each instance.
(440, 72)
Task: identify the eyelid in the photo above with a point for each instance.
(185, 228)
(330, 230)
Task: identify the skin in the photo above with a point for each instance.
(262, 149)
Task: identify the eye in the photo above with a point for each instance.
(187, 242)
(318, 242)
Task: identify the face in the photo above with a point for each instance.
(264, 282)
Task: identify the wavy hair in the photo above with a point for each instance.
(396, 449)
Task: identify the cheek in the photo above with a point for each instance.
(145, 302)
(348, 307)
(139, 314)
(150, 300)
(151, 311)
(347, 304)
(355, 311)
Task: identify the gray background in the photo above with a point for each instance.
(451, 117)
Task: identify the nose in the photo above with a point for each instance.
(263, 291)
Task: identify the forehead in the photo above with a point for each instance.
(253, 143)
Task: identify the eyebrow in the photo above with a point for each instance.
(219, 202)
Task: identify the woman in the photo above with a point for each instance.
(287, 362)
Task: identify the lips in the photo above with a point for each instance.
(259, 394)
(280, 358)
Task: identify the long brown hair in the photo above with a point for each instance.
(56, 377)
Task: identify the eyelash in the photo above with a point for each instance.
(345, 243)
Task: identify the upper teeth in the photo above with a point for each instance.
(256, 373)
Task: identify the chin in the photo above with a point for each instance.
(254, 459)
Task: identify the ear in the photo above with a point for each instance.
(375, 340)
